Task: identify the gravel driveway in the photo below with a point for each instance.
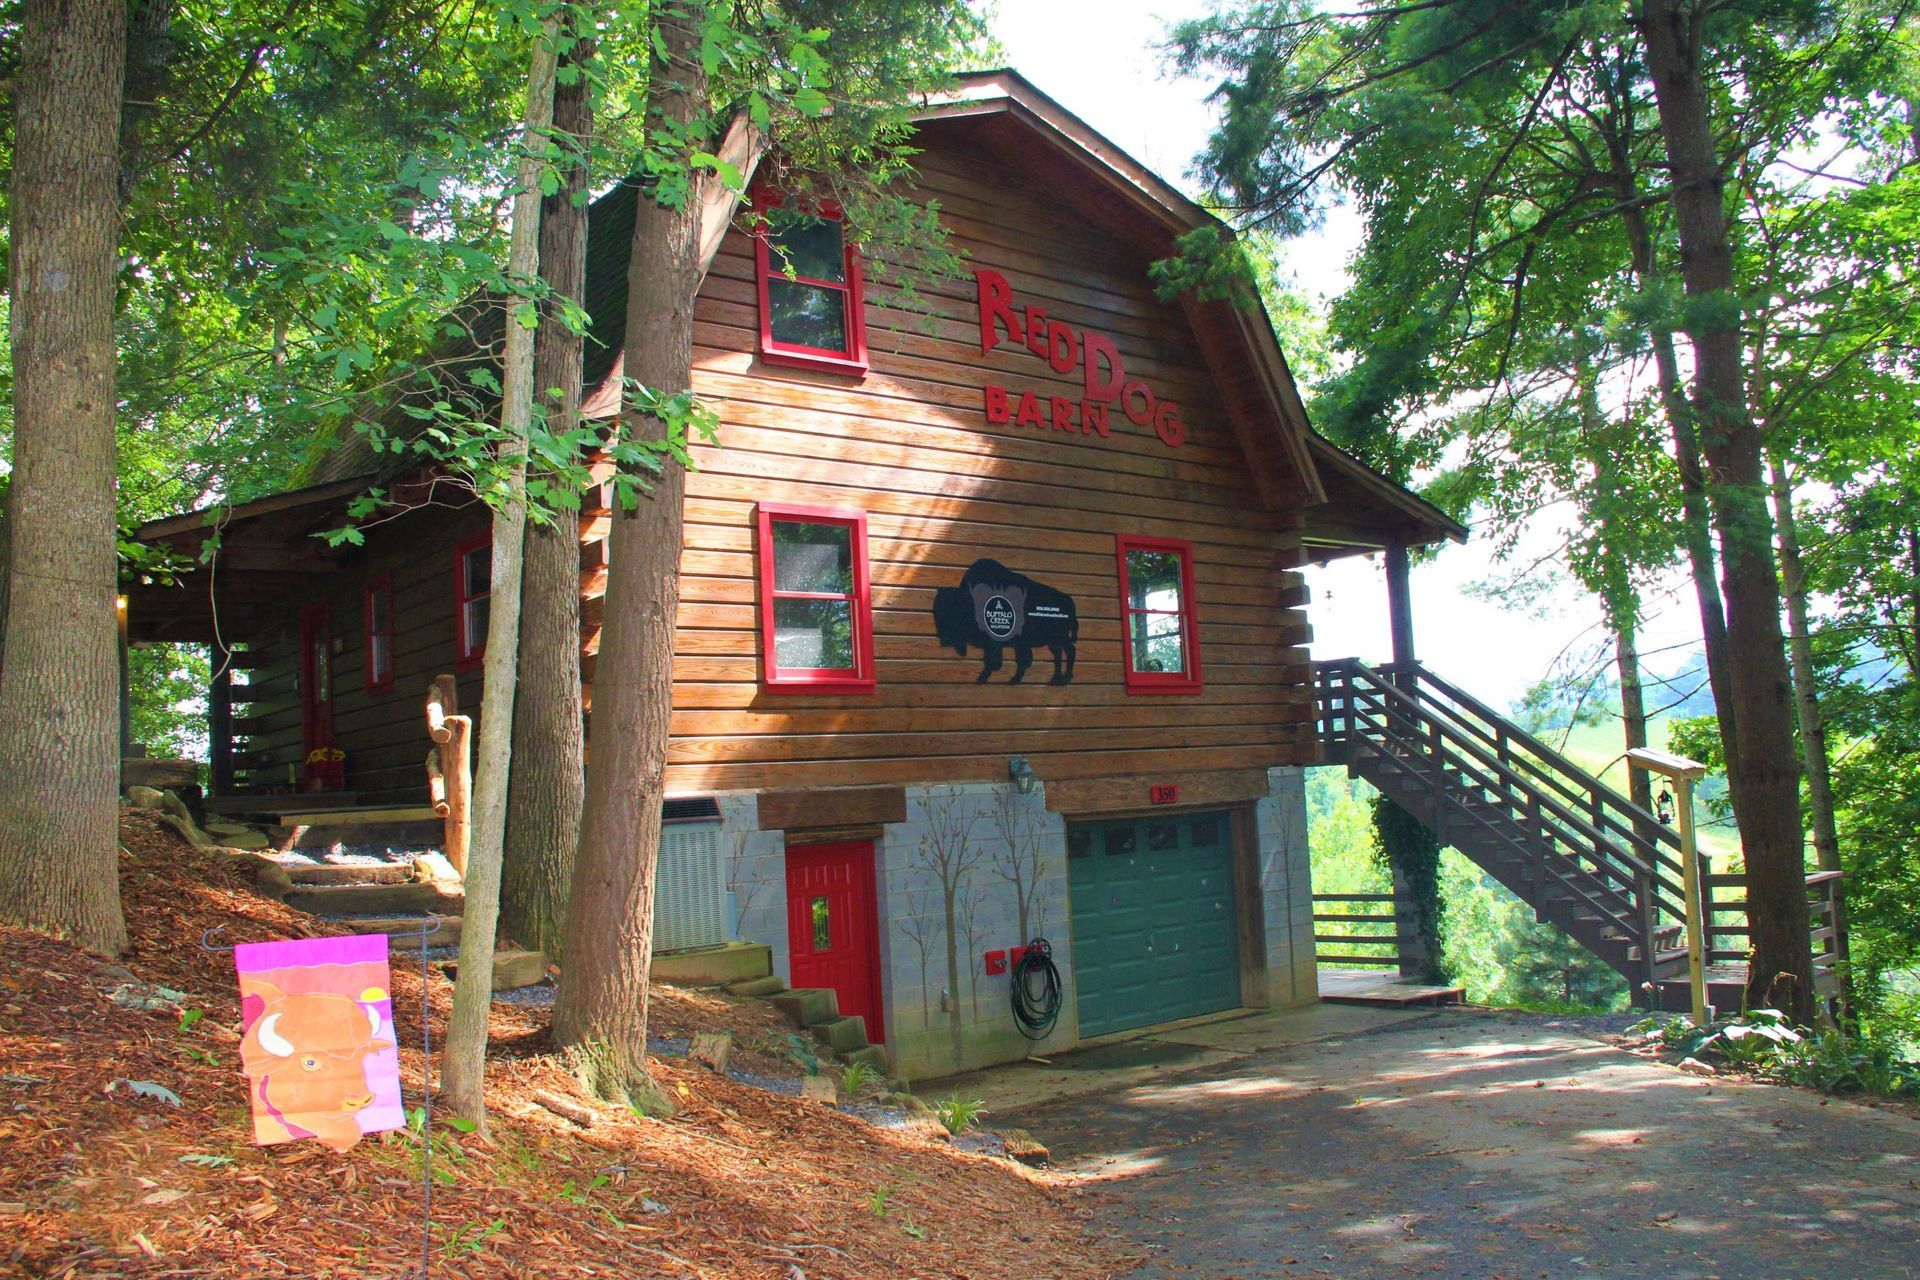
(1488, 1145)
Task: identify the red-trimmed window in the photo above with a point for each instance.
(816, 605)
(813, 318)
(379, 626)
(1161, 642)
(472, 592)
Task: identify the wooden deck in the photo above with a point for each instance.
(1382, 987)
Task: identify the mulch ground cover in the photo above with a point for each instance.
(100, 1178)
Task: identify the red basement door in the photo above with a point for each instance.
(833, 926)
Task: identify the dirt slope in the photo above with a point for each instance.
(96, 1180)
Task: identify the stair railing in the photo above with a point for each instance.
(1472, 761)
(1604, 851)
(1610, 811)
(1614, 824)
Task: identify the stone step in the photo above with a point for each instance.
(376, 900)
(842, 1035)
(512, 969)
(807, 1007)
(714, 966)
(446, 932)
(348, 873)
(873, 1055)
(762, 987)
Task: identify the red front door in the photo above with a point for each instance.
(833, 927)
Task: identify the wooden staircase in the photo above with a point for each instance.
(1588, 860)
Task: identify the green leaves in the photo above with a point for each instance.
(728, 174)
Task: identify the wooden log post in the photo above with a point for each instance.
(450, 769)
(1400, 613)
(220, 723)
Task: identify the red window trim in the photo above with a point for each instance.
(1188, 681)
(377, 583)
(797, 355)
(465, 657)
(861, 678)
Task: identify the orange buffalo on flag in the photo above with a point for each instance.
(318, 1048)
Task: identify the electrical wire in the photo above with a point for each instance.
(1036, 990)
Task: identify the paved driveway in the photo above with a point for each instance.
(1478, 1145)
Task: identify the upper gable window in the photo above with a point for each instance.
(811, 318)
(1156, 607)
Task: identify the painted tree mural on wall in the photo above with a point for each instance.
(1021, 831)
(948, 852)
(922, 928)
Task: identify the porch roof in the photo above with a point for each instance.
(1366, 512)
(267, 552)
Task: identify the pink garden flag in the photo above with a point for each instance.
(318, 1047)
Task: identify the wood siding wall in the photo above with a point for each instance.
(383, 734)
(910, 445)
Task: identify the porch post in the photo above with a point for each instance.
(1400, 604)
(220, 723)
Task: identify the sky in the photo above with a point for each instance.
(1099, 59)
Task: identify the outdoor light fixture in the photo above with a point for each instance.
(1022, 774)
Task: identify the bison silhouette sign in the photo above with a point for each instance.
(995, 608)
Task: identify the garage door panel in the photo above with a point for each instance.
(1153, 920)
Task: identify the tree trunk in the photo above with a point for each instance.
(1806, 689)
(1764, 780)
(1696, 519)
(609, 937)
(543, 801)
(1633, 705)
(464, 1061)
(59, 755)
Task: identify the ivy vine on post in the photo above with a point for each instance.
(1412, 854)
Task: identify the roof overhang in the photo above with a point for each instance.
(1365, 512)
(264, 554)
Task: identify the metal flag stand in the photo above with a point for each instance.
(431, 927)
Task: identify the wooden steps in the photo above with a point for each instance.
(1361, 987)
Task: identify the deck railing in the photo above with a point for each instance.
(1346, 930)
(1727, 930)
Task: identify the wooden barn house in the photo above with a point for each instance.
(991, 628)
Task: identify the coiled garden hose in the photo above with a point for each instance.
(1036, 990)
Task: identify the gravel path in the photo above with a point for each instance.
(1490, 1145)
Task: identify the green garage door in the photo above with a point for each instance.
(1153, 920)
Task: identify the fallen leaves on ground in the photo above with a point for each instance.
(98, 1180)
